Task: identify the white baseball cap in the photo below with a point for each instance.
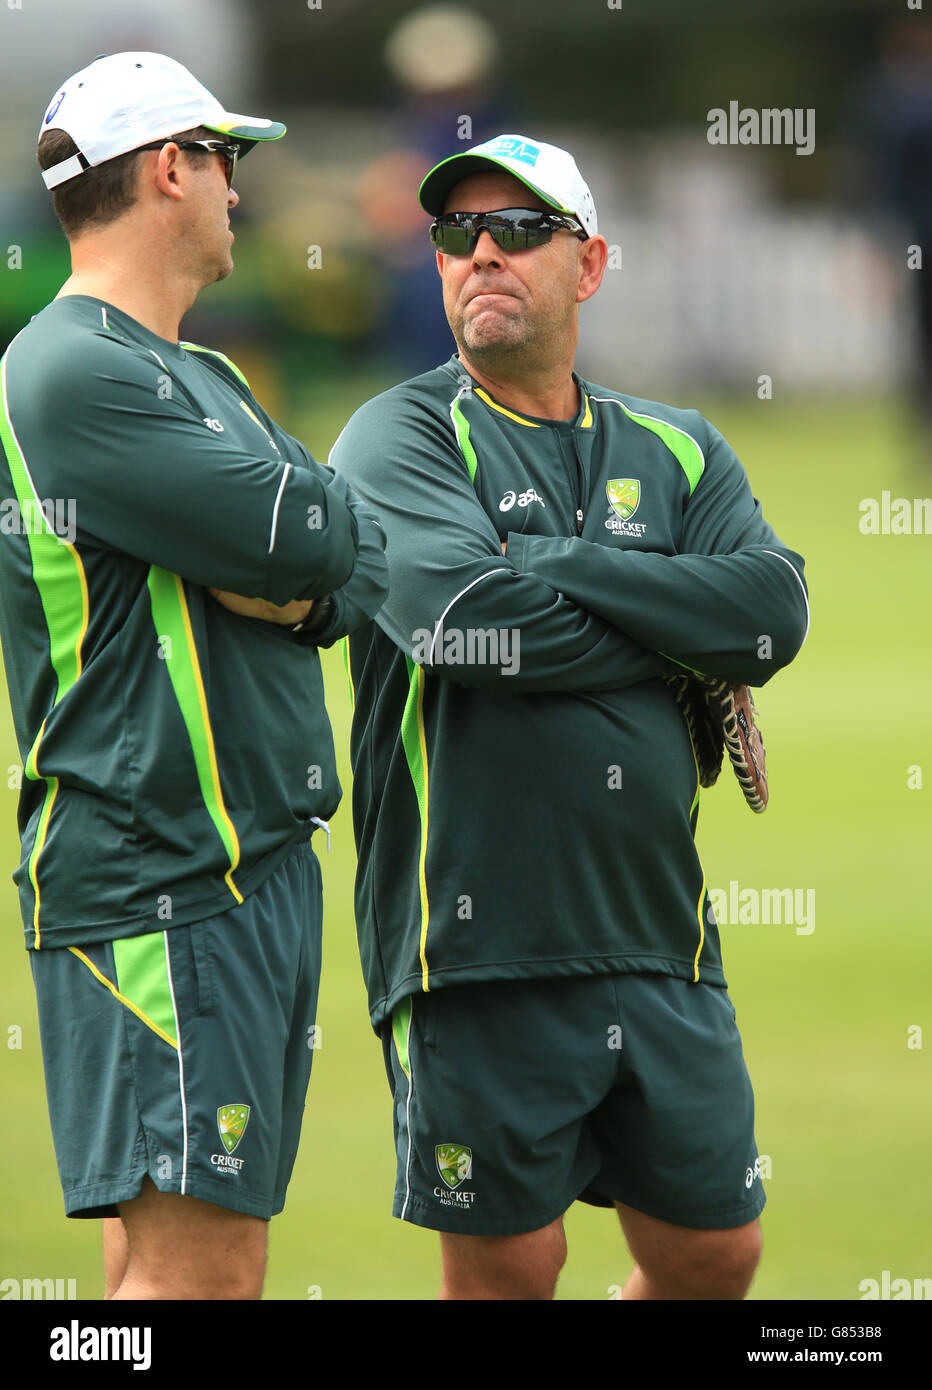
(124, 100)
(548, 171)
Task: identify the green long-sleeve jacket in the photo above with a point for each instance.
(525, 792)
(172, 750)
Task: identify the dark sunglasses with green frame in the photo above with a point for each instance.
(513, 229)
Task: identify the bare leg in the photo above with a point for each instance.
(677, 1262)
(183, 1248)
(503, 1267)
(116, 1254)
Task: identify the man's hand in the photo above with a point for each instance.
(287, 613)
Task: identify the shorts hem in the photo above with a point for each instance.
(101, 1199)
(697, 1219)
(447, 1222)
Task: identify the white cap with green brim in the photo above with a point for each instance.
(548, 171)
(125, 100)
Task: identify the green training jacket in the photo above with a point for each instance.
(525, 792)
(172, 751)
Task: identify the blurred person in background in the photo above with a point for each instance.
(443, 59)
(891, 121)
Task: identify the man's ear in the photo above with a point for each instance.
(593, 257)
(167, 165)
(440, 263)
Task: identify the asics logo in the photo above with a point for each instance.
(522, 499)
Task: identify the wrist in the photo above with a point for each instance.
(317, 618)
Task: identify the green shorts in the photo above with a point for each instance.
(515, 1098)
(186, 1054)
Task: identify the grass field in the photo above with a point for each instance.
(843, 1102)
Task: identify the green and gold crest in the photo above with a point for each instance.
(623, 494)
(454, 1163)
(231, 1122)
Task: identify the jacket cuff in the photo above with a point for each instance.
(516, 550)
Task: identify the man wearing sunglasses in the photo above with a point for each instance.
(542, 962)
(176, 561)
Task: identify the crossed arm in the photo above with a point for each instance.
(733, 604)
(190, 501)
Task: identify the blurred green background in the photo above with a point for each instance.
(738, 263)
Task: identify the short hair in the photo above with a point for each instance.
(100, 194)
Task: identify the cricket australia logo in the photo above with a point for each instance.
(454, 1164)
(624, 494)
(231, 1122)
(624, 498)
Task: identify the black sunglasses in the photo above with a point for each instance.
(228, 151)
(513, 229)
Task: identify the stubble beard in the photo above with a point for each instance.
(223, 265)
(522, 339)
(500, 339)
(204, 256)
(494, 342)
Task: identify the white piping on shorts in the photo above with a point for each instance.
(408, 1111)
(184, 1104)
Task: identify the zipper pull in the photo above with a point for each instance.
(579, 521)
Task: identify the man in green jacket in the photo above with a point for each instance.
(170, 560)
(542, 960)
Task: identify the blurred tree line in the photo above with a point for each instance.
(345, 181)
